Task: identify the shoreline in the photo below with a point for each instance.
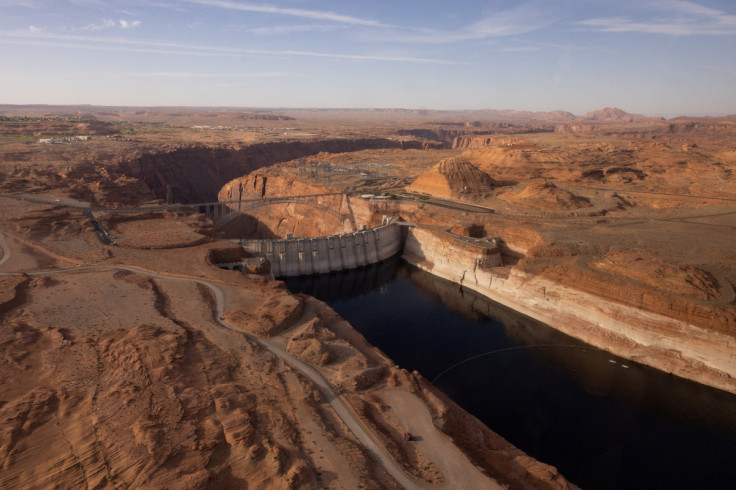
(634, 334)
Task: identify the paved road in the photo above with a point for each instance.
(444, 203)
(243, 202)
(668, 194)
(337, 403)
(71, 203)
(160, 207)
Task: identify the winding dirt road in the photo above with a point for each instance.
(461, 474)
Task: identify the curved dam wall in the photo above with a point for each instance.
(305, 256)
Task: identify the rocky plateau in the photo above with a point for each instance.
(141, 363)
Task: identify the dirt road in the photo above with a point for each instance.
(459, 472)
(366, 439)
(458, 469)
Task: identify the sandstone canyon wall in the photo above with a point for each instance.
(649, 338)
(197, 173)
(327, 214)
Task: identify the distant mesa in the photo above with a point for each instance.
(454, 178)
(529, 116)
(545, 195)
(613, 114)
(608, 114)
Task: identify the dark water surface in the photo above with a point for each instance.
(603, 421)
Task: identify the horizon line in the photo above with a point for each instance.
(665, 116)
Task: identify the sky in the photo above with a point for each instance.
(653, 57)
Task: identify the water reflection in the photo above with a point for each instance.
(335, 287)
(605, 422)
(597, 372)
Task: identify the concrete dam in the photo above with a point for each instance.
(306, 256)
(319, 255)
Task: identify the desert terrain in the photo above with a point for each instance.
(130, 359)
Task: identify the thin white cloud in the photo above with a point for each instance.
(288, 29)
(109, 24)
(99, 43)
(527, 17)
(165, 5)
(268, 74)
(120, 49)
(685, 7)
(127, 24)
(294, 12)
(564, 47)
(674, 17)
(19, 3)
(97, 4)
(361, 57)
(160, 74)
(518, 49)
(622, 24)
(104, 24)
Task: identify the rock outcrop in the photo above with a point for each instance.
(196, 174)
(453, 178)
(301, 218)
(545, 195)
(679, 279)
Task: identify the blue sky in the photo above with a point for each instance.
(656, 57)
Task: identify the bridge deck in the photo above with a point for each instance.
(164, 207)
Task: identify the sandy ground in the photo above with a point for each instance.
(76, 312)
(138, 390)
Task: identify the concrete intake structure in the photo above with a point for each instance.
(305, 256)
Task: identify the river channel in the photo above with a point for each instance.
(603, 421)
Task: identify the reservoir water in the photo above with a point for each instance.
(603, 421)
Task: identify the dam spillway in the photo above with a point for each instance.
(306, 256)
